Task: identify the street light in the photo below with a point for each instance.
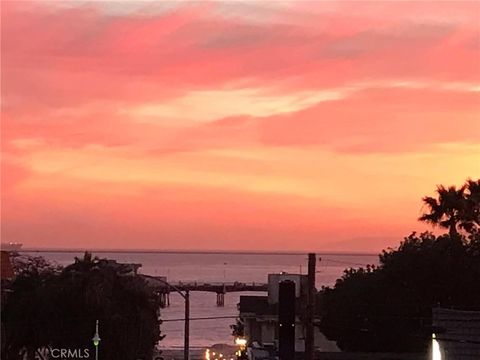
(436, 353)
(186, 296)
(242, 342)
(96, 340)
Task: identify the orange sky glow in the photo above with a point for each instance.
(233, 125)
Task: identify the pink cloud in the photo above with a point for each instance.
(78, 54)
(380, 120)
(72, 76)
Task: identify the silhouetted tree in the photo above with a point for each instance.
(49, 309)
(238, 329)
(454, 208)
(389, 307)
(27, 264)
(29, 308)
(447, 210)
(471, 217)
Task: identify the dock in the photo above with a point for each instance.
(163, 288)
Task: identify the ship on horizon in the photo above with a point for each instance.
(11, 246)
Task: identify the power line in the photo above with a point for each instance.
(345, 262)
(203, 318)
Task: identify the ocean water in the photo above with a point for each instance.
(218, 267)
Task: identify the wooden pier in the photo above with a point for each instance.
(163, 289)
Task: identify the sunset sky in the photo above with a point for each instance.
(233, 125)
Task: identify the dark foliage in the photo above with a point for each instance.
(388, 308)
(59, 309)
(238, 329)
(455, 209)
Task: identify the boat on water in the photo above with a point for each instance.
(11, 246)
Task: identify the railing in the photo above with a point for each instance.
(218, 287)
(222, 287)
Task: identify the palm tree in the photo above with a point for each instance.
(471, 222)
(448, 210)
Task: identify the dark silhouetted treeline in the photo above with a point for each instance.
(389, 308)
(48, 307)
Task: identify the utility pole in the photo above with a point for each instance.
(186, 349)
(185, 294)
(310, 315)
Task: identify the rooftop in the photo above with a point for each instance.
(460, 333)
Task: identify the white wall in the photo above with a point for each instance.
(274, 281)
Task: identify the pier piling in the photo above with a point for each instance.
(220, 299)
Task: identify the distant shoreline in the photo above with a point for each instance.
(199, 252)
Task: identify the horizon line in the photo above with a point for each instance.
(195, 251)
